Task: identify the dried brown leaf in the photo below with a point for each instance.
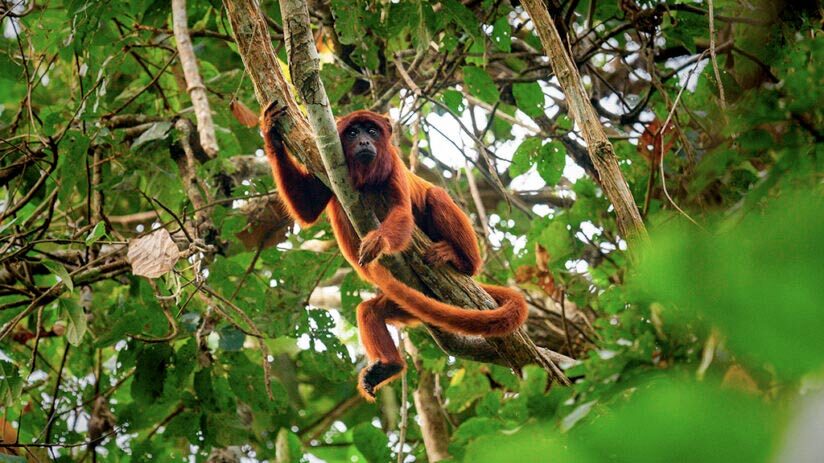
(154, 254)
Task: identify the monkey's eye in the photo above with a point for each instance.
(373, 131)
(351, 133)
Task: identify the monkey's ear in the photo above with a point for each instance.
(387, 122)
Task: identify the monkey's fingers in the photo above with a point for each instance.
(439, 254)
(371, 247)
(274, 111)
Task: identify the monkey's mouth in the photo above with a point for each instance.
(365, 156)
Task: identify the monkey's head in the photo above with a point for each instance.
(367, 146)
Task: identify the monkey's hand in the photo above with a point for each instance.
(440, 254)
(268, 121)
(372, 246)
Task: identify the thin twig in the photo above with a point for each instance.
(56, 394)
(404, 401)
(564, 323)
(663, 130)
(714, 59)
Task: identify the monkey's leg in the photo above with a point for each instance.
(452, 233)
(387, 363)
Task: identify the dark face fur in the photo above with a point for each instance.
(360, 141)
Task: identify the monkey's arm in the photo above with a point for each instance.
(458, 244)
(303, 194)
(395, 231)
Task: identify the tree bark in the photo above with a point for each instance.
(600, 149)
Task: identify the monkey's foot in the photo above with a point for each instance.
(376, 376)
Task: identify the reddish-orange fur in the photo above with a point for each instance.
(414, 201)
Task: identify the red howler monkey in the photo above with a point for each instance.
(374, 165)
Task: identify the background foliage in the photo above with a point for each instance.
(708, 349)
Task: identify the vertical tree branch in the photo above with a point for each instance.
(431, 414)
(600, 149)
(194, 84)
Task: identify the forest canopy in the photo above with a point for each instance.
(647, 173)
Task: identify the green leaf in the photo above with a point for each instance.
(372, 443)
(58, 270)
(347, 20)
(530, 98)
(185, 361)
(556, 238)
(231, 339)
(12, 459)
(72, 164)
(225, 429)
(76, 320)
(338, 82)
(480, 84)
(454, 100)
(186, 424)
(157, 131)
(464, 388)
(475, 427)
(97, 232)
(502, 34)
(564, 122)
(11, 384)
(578, 413)
(524, 156)
(551, 162)
(150, 372)
(462, 16)
(289, 447)
(424, 25)
(8, 223)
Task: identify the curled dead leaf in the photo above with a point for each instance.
(153, 255)
(267, 224)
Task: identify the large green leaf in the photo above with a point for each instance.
(76, 320)
(11, 384)
(371, 442)
(530, 98)
(480, 84)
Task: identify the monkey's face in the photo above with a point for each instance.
(366, 138)
(360, 141)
